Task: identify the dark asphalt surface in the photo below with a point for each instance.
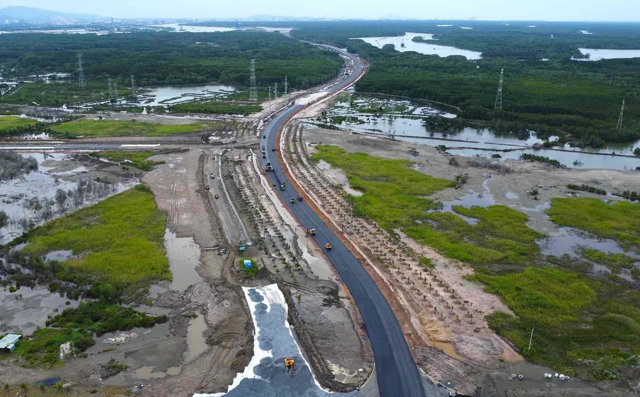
(398, 375)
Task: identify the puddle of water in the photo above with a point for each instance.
(569, 241)
(352, 192)
(406, 43)
(473, 199)
(196, 344)
(597, 54)
(59, 256)
(184, 257)
(273, 342)
(146, 373)
(26, 309)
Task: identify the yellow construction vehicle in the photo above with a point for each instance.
(327, 246)
(289, 363)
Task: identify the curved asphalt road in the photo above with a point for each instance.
(397, 373)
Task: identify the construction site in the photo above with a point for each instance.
(278, 281)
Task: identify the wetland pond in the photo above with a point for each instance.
(405, 43)
(172, 95)
(404, 121)
(33, 197)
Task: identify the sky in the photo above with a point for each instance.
(551, 10)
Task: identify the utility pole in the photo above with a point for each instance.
(269, 94)
(82, 82)
(530, 340)
(276, 90)
(253, 90)
(498, 105)
(621, 117)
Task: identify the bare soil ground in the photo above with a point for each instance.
(323, 316)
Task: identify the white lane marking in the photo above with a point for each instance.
(141, 145)
(27, 147)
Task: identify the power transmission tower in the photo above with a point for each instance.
(498, 105)
(253, 90)
(82, 82)
(286, 87)
(275, 90)
(269, 94)
(621, 117)
(112, 96)
(133, 87)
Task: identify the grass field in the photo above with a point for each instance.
(615, 262)
(134, 159)
(119, 249)
(499, 236)
(395, 196)
(119, 241)
(582, 326)
(215, 107)
(106, 128)
(394, 193)
(14, 122)
(619, 221)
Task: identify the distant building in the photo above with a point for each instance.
(9, 342)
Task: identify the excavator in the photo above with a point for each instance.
(289, 364)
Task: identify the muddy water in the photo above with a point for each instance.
(196, 343)
(184, 257)
(27, 309)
